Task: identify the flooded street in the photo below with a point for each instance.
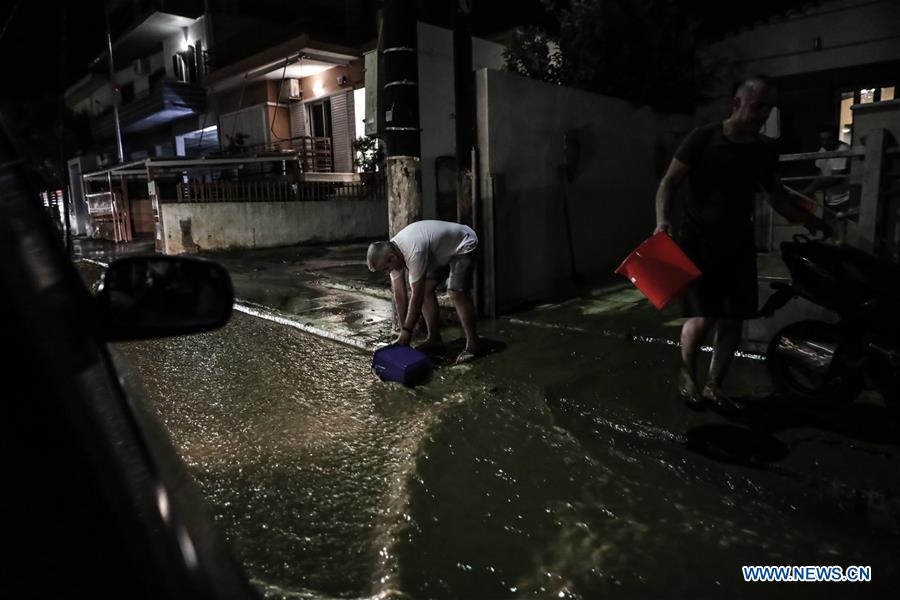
(515, 477)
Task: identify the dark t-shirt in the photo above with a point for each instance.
(725, 177)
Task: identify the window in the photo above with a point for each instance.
(127, 92)
(859, 96)
(320, 118)
(198, 143)
(184, 65)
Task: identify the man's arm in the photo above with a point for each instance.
(823, 182)
(667, 187)
(400, 297)
(789, 207)
(412, 311)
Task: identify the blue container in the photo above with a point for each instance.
(401, 363)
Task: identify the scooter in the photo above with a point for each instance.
(820, 362)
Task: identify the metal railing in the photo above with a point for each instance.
(313, 153)
(277, 190)
(869, 170)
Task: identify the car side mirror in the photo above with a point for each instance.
(144, 297)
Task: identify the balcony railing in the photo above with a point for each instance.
(313, 154)
(167, 101)
(277, 189)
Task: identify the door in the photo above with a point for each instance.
(320, 127)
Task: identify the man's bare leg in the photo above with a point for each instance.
(430, 311)
(693, 332)
(466, 311)
(727, 340)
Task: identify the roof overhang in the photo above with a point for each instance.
(294, 59)
(138, 168)
(141, 168)
(146, 36)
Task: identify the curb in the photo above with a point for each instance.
(265, 313)
(268, 314)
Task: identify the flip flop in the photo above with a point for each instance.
(692, 399)
(720, 401)
(464, 357)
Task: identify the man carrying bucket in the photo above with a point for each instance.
(429, 252)
(727, 163)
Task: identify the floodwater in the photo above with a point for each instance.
(508, 478)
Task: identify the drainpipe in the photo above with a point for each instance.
(401, 113)
(115, 90)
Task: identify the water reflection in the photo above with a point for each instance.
(332, 484)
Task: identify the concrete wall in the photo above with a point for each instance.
(327, 84)
(850, 33)
(436, 101)
(221, 225)
(879, 115)
(521, 125)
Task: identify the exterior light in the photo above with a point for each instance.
(318, 89)
(184, 45)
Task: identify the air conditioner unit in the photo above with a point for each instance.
(141, 66)
(290, 90)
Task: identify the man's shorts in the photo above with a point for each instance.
(728, 286)
(461, 271)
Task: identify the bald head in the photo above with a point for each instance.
(754, 86)
(753, 100)
(382, 256)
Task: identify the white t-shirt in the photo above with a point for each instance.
(429, 245)
(839, 193)
(828, 165)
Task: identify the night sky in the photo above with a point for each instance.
(45, 37)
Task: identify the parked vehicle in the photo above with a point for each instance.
(96, 502)
(817, 361)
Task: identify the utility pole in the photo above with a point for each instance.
(399, 47)
(463, 85)
(115, 88)
(60, 132)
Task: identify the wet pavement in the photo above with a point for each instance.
(561, 466)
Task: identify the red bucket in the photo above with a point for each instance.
(659, 269)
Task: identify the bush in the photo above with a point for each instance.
(367, 154)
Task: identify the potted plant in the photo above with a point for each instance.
(368, 157)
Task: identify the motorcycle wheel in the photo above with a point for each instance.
(808, 361)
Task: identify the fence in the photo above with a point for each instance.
(874, 196)
(278, 190)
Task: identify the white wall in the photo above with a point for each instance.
(251, 121)
(436, 98)
(359, 112)
(521, 126)
(78, 208)
(221, 225)
(852, 33)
